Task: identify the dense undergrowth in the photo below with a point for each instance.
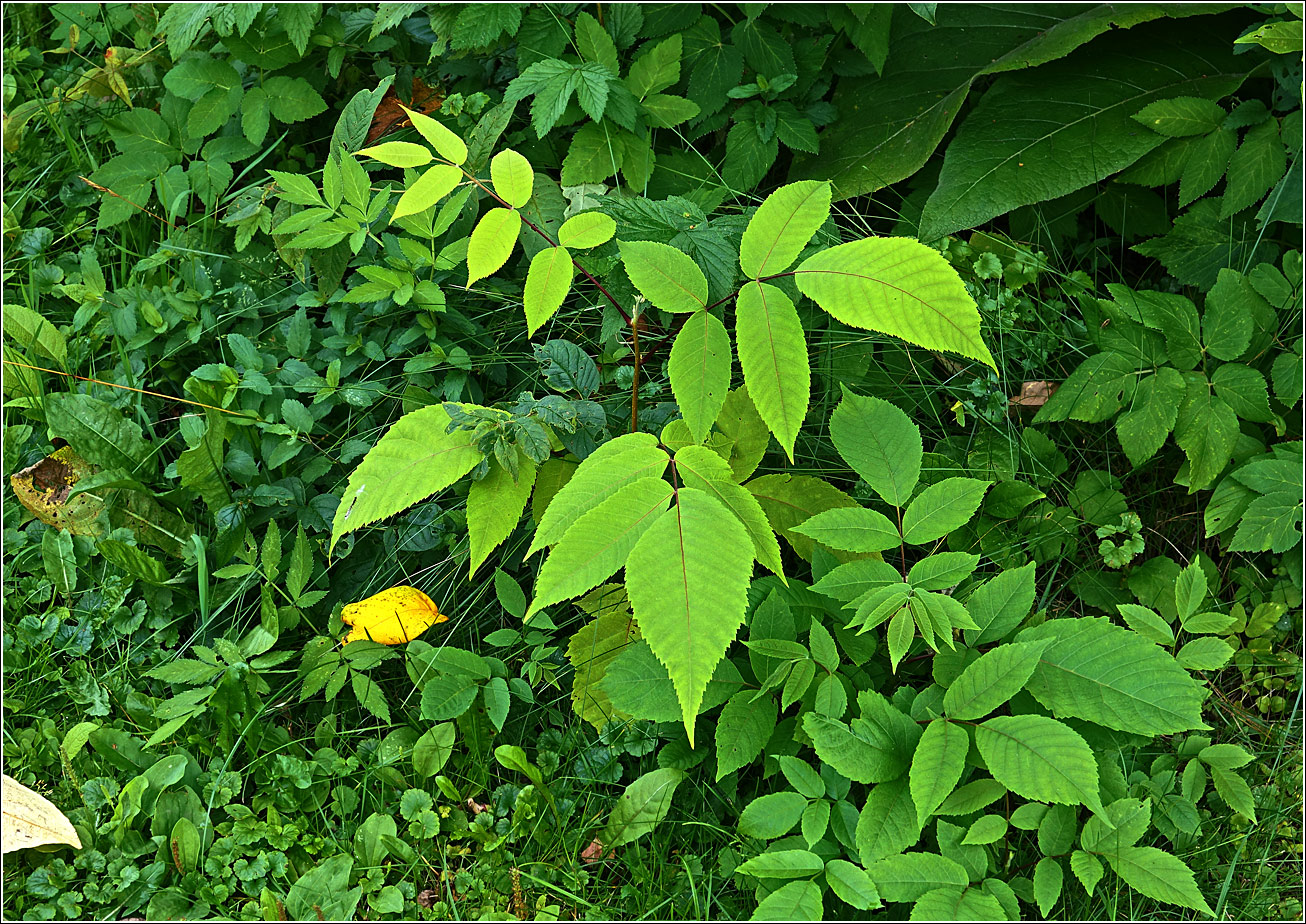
(855, 451)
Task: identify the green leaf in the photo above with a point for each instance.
(293, 99)
(593, 648)
(972, 797)
(782, 226)
(773, 815)
(547, 283)
(1142, 429)
(941, 508)
(494, 507)
(991, 680)
(1094, 392)
(700, 467)
(1037, 136)
(665, 276)
(1207, 431)
(908, 876)
(1147, 623)
(851, 884)
(415, 459)
(1048, 879)
(512, 177)
(447, 696)
(1224, 756)
(793, 499)
(35, 333)
(594, 44)
(1227, 319)
(433, 185)
(446, 143)
(699, 369)
(1105, 674)
(97, 431)
(605, 471)
(667, 111)
(588, 229)
(1205, 654)
(1244, 390)
(900, 634)
(1181, 116)
(656, 69)
(783, 864)
(880, 443)
(1087, 869)
(942, 570)
(492, 242)
(641, 807)
(937, 765)
(861, 751)
(854, 529)
(687, 579)
(887, 824)
(793, 901)
(432, 751)
(1201, 244)
(773, 357)
(897, 286)
(987, 829)
(1207, 160)
(398, 154)
(599, 542)
(1272, 523)
(742, 730)
(1158, 875)
(322, 892)
(1256, 166)
(748, 158)
(1039, 758)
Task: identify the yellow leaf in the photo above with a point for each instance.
(30, 819)
(391, 617)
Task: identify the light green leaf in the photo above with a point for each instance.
(641, 807)
(512, 177)
(783, 864)
(851, 884)
(547, 283)
(415, 459)
(398, 154)
(897, 286)
(1158, 875)
(666, 111)
(908, 876)
(1087, 869)
(1147, 623)
(1244, 390)
(1227, 319)
(687, 578)
(588, 229)
(899, 636)
(880, 443)
(605, 471)
(657, 68)
(773, 815)
(941, 508)
(991, 680)
(492, 242)
(782, 226)
(773, 357)
(667, 277)
(1190, 590)
(1121, 825)
(699, 369)
(793, 901)
(700, 467)
(1109, 675)
(594, 44)
(598, 543)
(1039, 758)
(446, 143)
(987, 829)
(433, 185)
(864, 751)
(97, 431)
(887, 824)
(854, 529)
(494, 507)
(1048, 879)
(937, 765)
(595, 646)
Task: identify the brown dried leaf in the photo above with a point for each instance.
(596, 852)
(390, 113)
(1034, 394)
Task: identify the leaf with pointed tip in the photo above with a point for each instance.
(687, 578)
(782, 226)
(512, 177)
(667, 277)
(599, 543)
(880, 443)
(937, 765)
(1039, 758)
(547, 283)
(700, 467)
(773, 357)
(699, 370)
(492, 242)
(414, 459)
(495, 505)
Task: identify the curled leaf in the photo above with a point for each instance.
(392, 617)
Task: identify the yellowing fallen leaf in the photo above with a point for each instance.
(391, 617)
(30, 819)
